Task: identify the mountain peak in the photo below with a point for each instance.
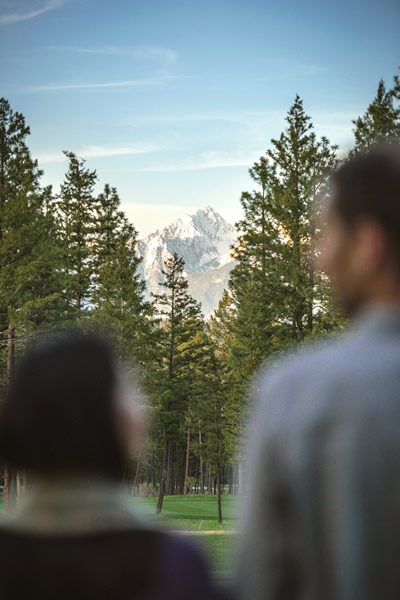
(203, 239)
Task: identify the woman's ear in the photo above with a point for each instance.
(131, 414)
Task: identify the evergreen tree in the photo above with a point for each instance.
(209, 399)
(29, 258)
(118, 305)
(303, 165)
(255, 284)
(77, 209)
(381, 121)
(280, 297)
(223, 329)
(221, 325)
(180, 321)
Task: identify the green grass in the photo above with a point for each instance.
(192, 513)
(198, 514)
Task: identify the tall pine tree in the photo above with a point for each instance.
(118, 304)
(29, 257)
(180, 321)
(381, 121)
(77, 230)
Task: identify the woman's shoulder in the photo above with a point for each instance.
(172, 562)
(184, 567)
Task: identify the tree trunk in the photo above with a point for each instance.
(10, 474)
(201, 467)
(168, 470)
(153, 472)
(209, 488)
(136, 478)
(219, 500)
(186, 484)
(163, 477)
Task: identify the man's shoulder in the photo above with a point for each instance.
(302, 386)
(323, 358)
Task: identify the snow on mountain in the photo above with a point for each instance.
(204, 240)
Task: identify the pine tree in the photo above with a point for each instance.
(118, 305)
(29, 258)
(303, 165)
(279, 295)
(220, 326)
(181, 320)
(255, 284)
(381, 121)
(209, 399)
(76, 209)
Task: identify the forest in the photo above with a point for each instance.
(68, 258)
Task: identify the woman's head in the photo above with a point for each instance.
(66, 410)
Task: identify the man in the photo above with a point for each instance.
(322, 514)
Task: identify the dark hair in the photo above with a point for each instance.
(369, 186)
(59, 414)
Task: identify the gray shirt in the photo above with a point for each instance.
(322, 509)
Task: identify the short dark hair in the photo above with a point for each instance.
(368, 185)
(59, 414)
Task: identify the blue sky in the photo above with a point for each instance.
(171, 101)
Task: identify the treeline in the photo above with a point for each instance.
(70, 258)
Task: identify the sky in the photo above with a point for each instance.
(172, 101)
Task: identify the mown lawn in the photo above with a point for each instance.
(197, 514)
(192, 512)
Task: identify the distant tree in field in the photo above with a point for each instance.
(221, 329)
(29, 256)
(209, 400)
(381, 121)
(181, 320)
(76, 206)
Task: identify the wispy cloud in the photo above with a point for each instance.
(98, 152)
(207, 160)
(256, 117)
(282, 68)
(54, 87)
(142, 52)
(8, 19)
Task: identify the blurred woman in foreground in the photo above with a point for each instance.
(69, 420)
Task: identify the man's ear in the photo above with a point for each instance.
(371, 243)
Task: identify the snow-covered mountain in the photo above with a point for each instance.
(204, 240)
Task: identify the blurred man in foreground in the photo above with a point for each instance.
(322, 519)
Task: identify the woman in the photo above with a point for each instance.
(68, 420)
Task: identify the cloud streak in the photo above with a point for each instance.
(207, 160)
(143, 52)
(9, 19)
(54, 87)
(98, 152)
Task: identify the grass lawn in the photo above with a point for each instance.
(197, 514)
(192, 512)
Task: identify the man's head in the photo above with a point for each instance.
(361, 250)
